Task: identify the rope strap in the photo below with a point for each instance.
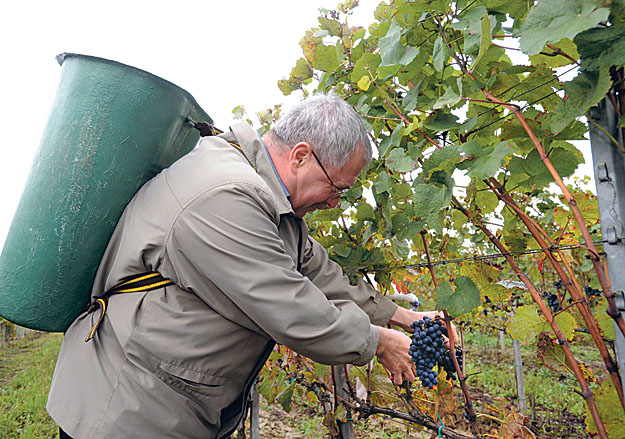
(139, 283)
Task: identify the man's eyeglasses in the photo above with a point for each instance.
(335, 189)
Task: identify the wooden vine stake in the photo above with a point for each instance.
(468, 406)
(586, 393)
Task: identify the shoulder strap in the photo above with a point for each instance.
(141, 282)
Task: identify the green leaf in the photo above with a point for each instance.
(286, 396)
(365, 212)
(410, 53)
(567, 324)
(440, 54)
(450, 98)
(488, 160)
(428, 200)
(383, 183)
(398, 161)
(526, 324)
(471, 16)
(442, 121)
(566, 46)
(392, 50)
(487, 201)
(586, 90)
(606, 324)
(463, 299)
(564, 159)
(551, 20)
(601, 46)
(410, 100)
(485, 38)
(369, 62)
(444, 159)
(325, 58)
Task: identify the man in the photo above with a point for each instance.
(224, 225)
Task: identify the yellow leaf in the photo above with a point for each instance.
(608, 406)
(364, 83)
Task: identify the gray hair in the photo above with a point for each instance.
(329, 124)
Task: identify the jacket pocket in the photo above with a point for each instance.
(189, 381)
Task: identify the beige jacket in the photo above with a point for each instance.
(177, 362)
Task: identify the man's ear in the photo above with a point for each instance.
(300, 154)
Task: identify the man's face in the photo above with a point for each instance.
(317, 189)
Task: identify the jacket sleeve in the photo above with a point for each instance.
(328, 276)
(226, 242)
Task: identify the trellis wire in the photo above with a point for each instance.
(484, 257)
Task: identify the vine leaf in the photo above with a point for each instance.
(450, 98)
(552, 355)
(606, 324)
(487, 161)
(444, 159)
(286, 396)
(601, 46)
(440, 54)
(399, 161)
(586, 90)
(487, 24)
(606, 400)
(463, 299)
(551, 20)
(325, 58)
(428, 200)
(369, 62)
(525, 325)
(442, 121)
(566, 46)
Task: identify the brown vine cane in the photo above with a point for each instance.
(571, 287)
(586, 393)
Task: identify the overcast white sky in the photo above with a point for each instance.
(225, 53)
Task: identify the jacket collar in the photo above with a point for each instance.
(253, 149)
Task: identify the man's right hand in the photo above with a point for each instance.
(393, 354)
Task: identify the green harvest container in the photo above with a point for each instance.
(112, 127)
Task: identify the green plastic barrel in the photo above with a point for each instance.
(112, 127)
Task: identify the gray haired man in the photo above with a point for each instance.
(223, 225)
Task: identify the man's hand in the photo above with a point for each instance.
(404, 317)
(393, 354)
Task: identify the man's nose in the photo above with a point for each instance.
(333, 202)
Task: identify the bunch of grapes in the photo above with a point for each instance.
(428, 350)
(553, 302)
(590, 292)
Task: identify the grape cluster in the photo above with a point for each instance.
(590, 292)
(428, 349)
(553, 302)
